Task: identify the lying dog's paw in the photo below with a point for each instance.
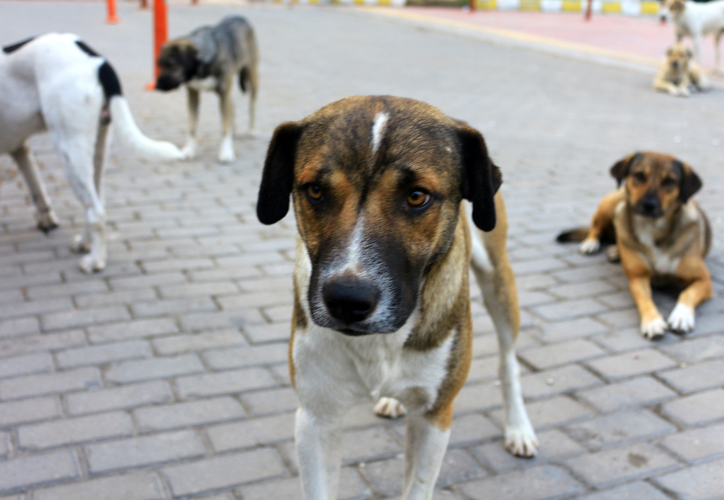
(89, 264)
(681, 319)
(683, 92)
(654, 329)
(521, 442)
(612, 254)
(589, 246)
(389, 408)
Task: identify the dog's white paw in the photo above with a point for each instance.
(654, 329)
(226, 153)
(681, 319)
(47, 221)
(684, 92)
(589, 246)
(521, 441)
(80, 244)
(89, 264)
(389, 408)
(188, 152)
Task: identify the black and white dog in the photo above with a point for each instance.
(56, 83)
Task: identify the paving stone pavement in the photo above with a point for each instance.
(165, 376)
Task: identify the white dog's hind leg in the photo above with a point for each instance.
(717, 49)
(319, 452)
(194, 98)
(47, 220)
(226, 102)
(424, 450)
(389, 408)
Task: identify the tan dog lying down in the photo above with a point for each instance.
(678, 73)
(661, 234)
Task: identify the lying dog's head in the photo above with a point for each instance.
(178, 63)
(377, 184)
(678, 57)
(655, 183)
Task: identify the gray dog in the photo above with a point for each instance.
(207, 60)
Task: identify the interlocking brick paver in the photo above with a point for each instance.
(203, 412)
(186, 330)
(146, 450)
(224, 472)
(697, 409)
(74, 430)
(36, 470)
(53, 383)
(140, 486)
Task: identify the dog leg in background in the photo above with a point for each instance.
(496, 280)
(226, 102)
(103, 140)
(189, 150)
(47, 220)
(662, 86)
(717, 52)
(424, 450)
(681, 319)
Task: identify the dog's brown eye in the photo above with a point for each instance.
(639, 177)
(418, 198)
(315, 191)
(668, 182)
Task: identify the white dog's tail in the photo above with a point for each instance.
(126, 128)
(121, 115)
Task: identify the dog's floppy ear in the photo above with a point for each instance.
(669, 51)
(621, 168)
(690, 182)
(480, 178)
(278, 175)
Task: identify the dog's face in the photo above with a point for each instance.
(177, 64)
(678, 57)
(655, 183)
(377, 184)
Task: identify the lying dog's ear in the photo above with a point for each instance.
(277, 178)
(669, 51)
(690, 182)
(621, 168)
(480, 178)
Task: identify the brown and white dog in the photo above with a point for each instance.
(382, 304)
(696, 20)
(661, 235)
(678, 73)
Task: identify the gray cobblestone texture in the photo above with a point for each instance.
(164, 377)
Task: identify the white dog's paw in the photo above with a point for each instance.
(521, 441)
(589, 246)
(389, 408)
(681, 319)
(47, 221)
(80, 244)
(226, 153)
(89, 264)
(654, 329)
(188, 152)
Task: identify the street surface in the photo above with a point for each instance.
(165, 376)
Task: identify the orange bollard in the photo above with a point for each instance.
(160, 35)
(112, 16)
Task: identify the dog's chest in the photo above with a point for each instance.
(660, 260)
(207, 84)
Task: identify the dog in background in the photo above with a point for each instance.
(382, 301)
(697, 20)
(56, 83)
(209, 59)
(661, 235)
(678, 73)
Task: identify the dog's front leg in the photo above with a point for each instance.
(693, 270)
(226, 102)
(424, 450)
(47, 220)
(717, 39)
(194, 98)
(319, 447)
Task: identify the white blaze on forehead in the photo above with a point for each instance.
(378, 130)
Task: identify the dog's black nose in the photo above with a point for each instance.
(650, 206)
(350, 300)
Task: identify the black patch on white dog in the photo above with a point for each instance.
(8, 49)
(85, 48)
(109, 81)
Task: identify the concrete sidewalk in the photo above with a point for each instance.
(165, 376)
